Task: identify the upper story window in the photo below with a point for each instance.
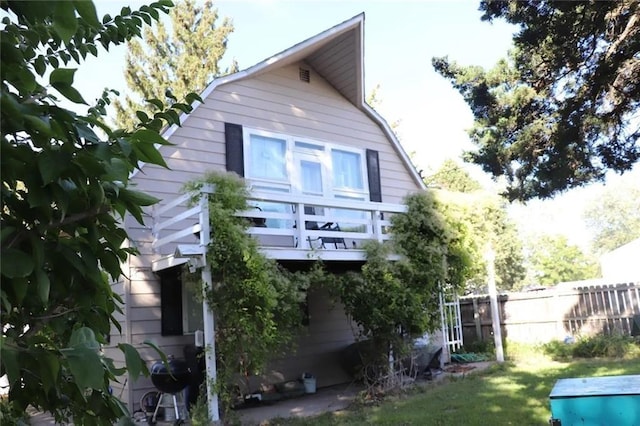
(267, 158)
(282, 163)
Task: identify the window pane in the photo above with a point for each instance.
(192, 307)
(268, 158)
(347, 171)
(310, 146)
(311, 174)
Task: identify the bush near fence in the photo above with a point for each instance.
(569, 309)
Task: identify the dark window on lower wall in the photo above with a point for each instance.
(171, 301)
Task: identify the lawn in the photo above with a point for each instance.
(514, 393)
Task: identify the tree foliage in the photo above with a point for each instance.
(394, 301)
(554, 260)
(452, 177)
(65, 191)
(486, 216)
(563, 109)
(614, 216)
(256, 302)
(182, 61)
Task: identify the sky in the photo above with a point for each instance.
(400, 39)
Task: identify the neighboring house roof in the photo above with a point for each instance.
(337, 54)
(622, 263)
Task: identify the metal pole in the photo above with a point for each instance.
(493, 297)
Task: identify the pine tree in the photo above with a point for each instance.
(182, 61)
(562, 110)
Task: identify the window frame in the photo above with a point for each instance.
(293, 174)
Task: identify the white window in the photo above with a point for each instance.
(192, 318)
(277, 162)
(267, 159)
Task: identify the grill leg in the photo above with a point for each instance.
(155, 412)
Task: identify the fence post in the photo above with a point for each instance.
(476, 319)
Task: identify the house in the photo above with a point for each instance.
(621, 264)
(296, 126)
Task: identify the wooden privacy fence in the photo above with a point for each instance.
(545, 315)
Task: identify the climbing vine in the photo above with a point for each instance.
(395, 301)
(256, 302)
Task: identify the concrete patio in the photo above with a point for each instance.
(329, 399)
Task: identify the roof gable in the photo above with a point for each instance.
(337, 54)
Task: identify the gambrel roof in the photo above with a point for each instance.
(337, 54)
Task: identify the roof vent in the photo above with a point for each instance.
(305, 75)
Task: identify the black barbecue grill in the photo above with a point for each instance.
(170, 378)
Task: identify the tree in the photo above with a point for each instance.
(614, 216)
(452, 177)
(374, 100)
(395, 301)
(65, 191)
(487, 217)
(553, 260)
(562, 109)
(184, 61)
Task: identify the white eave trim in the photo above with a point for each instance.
(396, 143)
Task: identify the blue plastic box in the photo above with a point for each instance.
(596, 401)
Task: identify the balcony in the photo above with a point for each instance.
(333, 229)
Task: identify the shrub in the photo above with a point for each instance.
(613, 346)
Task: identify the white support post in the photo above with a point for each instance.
(209, 320)
(493, 297)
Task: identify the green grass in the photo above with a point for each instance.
(514, 393)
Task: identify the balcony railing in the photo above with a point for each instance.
(287, 226)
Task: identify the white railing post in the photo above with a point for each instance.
(301, 237)
(209, 319)
(377, 227)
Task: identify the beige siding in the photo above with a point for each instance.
(279, 102)
(320, 347)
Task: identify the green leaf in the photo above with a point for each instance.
(5, 232)
(16, 263)
(44, 285)
(65, 22)
(159, 351)
(62, 79)
(137, 197)
(135, 364)
(87, 11)
(39, 123)
(142, 116)
(85, 367)
(150, 136)
(192, 97)
(51, 164)
(62, 76)
(117, 170)
(182, 107)
(84, 337)
(156, 103)
(40, 65)
(92, 49)
(10, 361)
(49, 368)
(148, 153)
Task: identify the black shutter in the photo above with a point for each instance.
(373, 172)
(171, 301)
(234, 142)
